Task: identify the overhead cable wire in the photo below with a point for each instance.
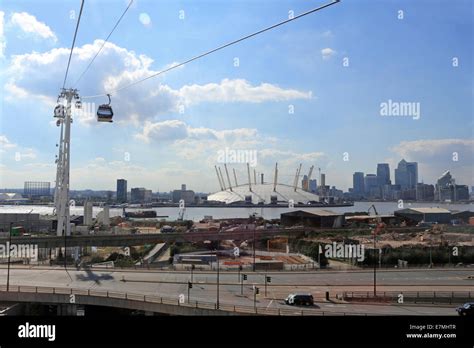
(214, 50)
(73, 43)
(103, 43)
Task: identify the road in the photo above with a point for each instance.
(173, 284)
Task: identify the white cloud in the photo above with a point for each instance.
(437, 155)
(30, 25)
(436, 149)
(327, 53)
(169, 130)
(3, 43)
(31, 75)
(176, 130)
(5, 143)
(238, 90)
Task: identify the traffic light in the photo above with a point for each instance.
(257, 291)
(190, 285)
(269, 279)
(244, 276)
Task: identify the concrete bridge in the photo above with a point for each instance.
(133, 301)
(141, 239)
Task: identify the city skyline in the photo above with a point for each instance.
(359, 183)
(305, 93)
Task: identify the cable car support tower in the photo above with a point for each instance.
(61, 192)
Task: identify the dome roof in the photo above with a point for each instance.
(262, 193)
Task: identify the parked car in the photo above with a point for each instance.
(466, 309)
(167, 229)
(299, 300)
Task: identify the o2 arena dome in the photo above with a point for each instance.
(259, 192)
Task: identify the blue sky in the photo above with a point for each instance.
(245, 108)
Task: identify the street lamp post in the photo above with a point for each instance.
(9, 253)
(431, 258)
(192, 269)
(217, 258)
(253, 267)
(255, 292)
(375, 265)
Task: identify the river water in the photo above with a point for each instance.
(196, 213)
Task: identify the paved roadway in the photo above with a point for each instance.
(172, 284)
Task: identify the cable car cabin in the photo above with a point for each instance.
(59, 111)
(105, 113)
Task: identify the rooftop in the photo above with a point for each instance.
(425, 210)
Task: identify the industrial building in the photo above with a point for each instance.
(415, 215)
(36, 189)
(187, 196)
(29, 221)
(315, 218)
(140, 195)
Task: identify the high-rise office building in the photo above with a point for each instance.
(322, 185)
(424, 192)
(313, 185)
(358, 182)
(370, 183)
(383, 174)
(305, 183)
(406, 174)
(121, 190)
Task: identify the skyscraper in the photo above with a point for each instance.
(358, 182)
(313, 185)
(305, 183)
(121, 190)
(370, 184)
(406, 175)
(383, 174)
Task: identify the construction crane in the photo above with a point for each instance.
(297, 176)
(310, 173)
(308, 179)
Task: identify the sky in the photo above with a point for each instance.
(310, 92)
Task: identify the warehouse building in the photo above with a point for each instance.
(415, 215)
(315, 218)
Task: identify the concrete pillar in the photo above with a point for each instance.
(88, 213)
(106, 217)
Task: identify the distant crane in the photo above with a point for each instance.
(309, 178)
(297, 176)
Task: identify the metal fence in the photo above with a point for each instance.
(226, 307)
(427, 297)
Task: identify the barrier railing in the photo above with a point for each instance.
(153, 299)
(439, 297)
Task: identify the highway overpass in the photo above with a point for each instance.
(151, 290)
(147, 238)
